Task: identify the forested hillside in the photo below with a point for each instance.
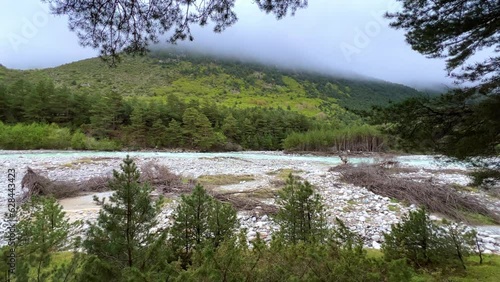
(174, 100)
(227, 81)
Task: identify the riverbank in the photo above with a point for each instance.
(368, 214)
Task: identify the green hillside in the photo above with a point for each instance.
(227, 82)
(174, 100)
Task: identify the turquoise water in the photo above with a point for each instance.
(421, 161)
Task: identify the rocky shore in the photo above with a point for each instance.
(366, 213)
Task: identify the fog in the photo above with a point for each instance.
(347, 37)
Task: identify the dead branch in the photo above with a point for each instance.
(435, 197)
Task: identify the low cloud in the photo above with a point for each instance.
(345, 37)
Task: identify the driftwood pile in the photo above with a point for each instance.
(165, 181)
(160, 177)
(245, 201)
(37, 184)
(434, 197)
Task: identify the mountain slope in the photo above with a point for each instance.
(228, 82)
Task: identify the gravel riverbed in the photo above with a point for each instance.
(368, 214)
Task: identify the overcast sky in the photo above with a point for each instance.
(348, 36)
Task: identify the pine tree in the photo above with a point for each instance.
(200, 220)
(301, 217)
(138, 129)
(175, 107)
(211, 111)
(197, 129)
(16, 94)
(230, 128)
(36, 106)
(43, 231)
(59, 106)
(79, 109)
(4, 104)
(422, 243)
(107, 113)
(174, 136)
(157, 134)
(124, 242)
(248, 134)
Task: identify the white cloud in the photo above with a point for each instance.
(314, 38)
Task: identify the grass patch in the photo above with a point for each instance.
(261, 193)
(223, 179)
(374, 253)
(284, 172)
(83, 161)
(465, 188)
(352, 202)
(76, 163)
(394, 208)
(488, 271)
(479, 219)
(58, 260)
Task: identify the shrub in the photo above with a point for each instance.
(485, 177)
(58, 138)
(43, 136)
(101, 145)
(78, 141)
(426, 245)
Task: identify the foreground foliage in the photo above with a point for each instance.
(203, 244)
(425, 244)
(43, 232)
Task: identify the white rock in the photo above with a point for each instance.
(376, 245)
(489, 240)
(490, 247)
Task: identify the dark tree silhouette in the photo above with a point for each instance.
(113, 26)
(455, 30)
(465, 122)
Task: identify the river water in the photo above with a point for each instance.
(419, 161)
